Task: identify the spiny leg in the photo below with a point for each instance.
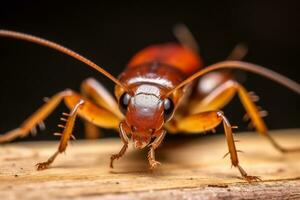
(94, 114)
(220, 96)
(35, 119)
(256, 117)
(123, 131)
(151, 154)
(232, 149)
(86, 110)
(89, 111)
(206, 121)
(65, 137)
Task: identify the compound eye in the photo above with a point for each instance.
(123, 102)
(168, 108)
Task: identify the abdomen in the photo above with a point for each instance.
(172, 54)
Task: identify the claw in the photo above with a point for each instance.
(154, 164)
(42, 166)
(251, 179)
(246, 176)
(112, 158)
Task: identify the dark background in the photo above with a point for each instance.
(110, 34)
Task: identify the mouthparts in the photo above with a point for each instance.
(140, 144)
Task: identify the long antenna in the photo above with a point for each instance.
(257, 69)
(62, 49)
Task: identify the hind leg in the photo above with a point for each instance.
(256, 117)
(186, 38)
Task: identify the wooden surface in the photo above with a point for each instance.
(191, 169)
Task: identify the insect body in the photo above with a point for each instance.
(146, 107)
(153, 98)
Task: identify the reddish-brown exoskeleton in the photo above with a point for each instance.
(154, 96)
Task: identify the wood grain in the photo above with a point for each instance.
(191, 168)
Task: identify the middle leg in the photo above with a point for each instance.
(208, 120)
(220, 96)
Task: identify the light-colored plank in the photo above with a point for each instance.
(84, 172)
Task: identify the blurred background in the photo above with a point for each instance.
(110, 33)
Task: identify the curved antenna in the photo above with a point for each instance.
(257, 69)
(60, 48)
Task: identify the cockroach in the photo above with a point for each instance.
(153, 96)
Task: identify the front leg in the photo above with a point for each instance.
(123, 130)
(151, 154)
(221, 95)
